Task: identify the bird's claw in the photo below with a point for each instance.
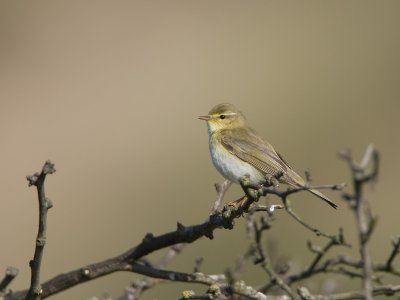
(271, 180)
(237, 203)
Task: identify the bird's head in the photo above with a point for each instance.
(223, 116)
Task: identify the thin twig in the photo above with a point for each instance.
(35, 290)
(260, 257)
(254, 192)
(394, 253)
(173, 275)
(306, 225)
(388, 290)
(141, 285)
(9, 276)
(284, 195)
(221, 189)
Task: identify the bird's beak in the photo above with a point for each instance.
(205, 118)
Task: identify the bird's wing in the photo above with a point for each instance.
(250, 148)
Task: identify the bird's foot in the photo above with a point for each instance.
(271, 181)
(237, 203)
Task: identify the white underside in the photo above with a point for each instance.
(233, 168)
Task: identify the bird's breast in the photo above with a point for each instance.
(230, 166)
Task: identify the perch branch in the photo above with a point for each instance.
(125, 261)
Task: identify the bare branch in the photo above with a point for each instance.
(388, 290)
(231, 286)
(364, 219)
(149, 244)
(35, 290)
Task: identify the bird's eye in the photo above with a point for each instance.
(222, 117)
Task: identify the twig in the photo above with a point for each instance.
(306, 225)
(277, 280)
(35, 290)
(365, 222)
(242, 289)
(148, 282)
(284, 195)
(260, 257)
(254, 192)
(388, 290)
(268, 208)
(353, 274)
(139, 286)
(221, 189)
(197, 264)
(9, 276)
(393, 254)
(314, 267)
(173, 275)
(320, 253)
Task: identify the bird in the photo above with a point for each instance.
(237, 150)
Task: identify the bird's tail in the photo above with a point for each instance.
(323, 197)
(293, 179)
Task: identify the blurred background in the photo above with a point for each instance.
(110, 91)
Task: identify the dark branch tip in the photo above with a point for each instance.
(148, 237)
(340, 240)
(180, 228)
(307, 173)
(209, 234)
(314, 248)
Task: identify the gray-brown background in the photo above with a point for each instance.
(110, 91)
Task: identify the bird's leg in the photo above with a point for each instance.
(251, 194)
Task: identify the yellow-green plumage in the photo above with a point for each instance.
(237, 150)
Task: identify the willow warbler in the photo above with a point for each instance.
(237, 150)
